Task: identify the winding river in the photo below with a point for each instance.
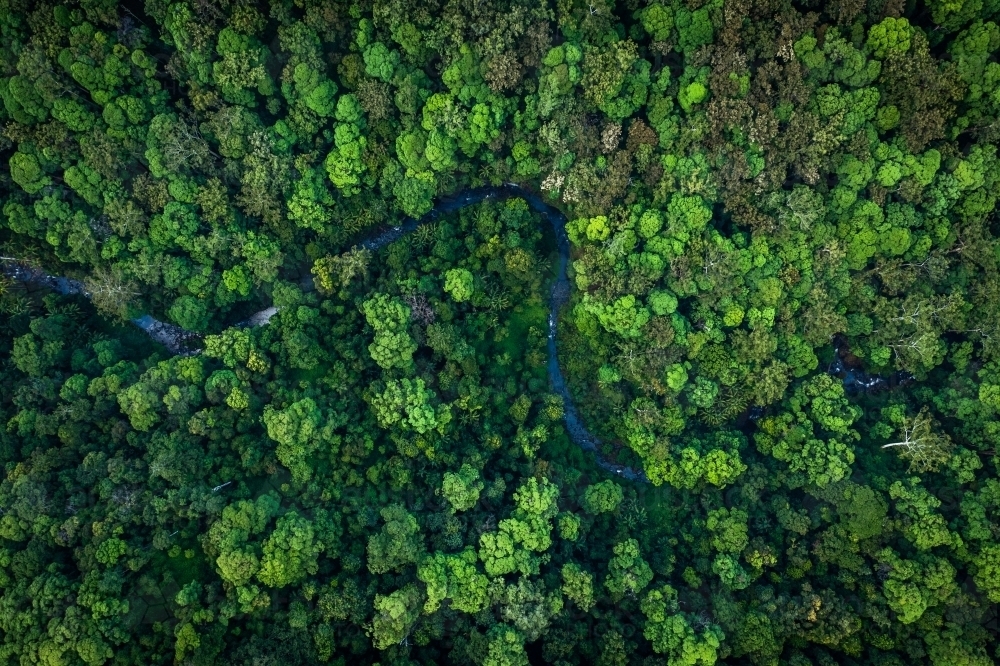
(178, 341)
(174, 338)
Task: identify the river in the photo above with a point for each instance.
(178, 341)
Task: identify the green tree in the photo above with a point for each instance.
(811, 436)
(892, 35)
(459, 283)
(462, 489)
(603, 497)
(729, 529)
(527, 531)
(409, 404)
(505, 647)
(415, 196)
(672, 635)
(578, 585)
(730, 572)
(228, 541)
(298, 431)
(987, 575)
(398, 544)
(694, 28)
(658, 21)
(628, 573)
(454, 577)
(344, 164)
(190, 313)
(27, 172)
(380, 62)
(394, 616)
(923, 526)
(389, 317)
(290, 552)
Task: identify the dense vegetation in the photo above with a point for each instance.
(758, 191)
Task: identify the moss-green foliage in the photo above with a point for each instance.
(757, 193)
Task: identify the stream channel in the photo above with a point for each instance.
(177, 340)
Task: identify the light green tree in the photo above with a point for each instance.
(462, 489)
(603, 497)
(398, 544)
(987, 575)
(27, 172)
(505, 647)
(297, 430)
(454, 577)
(578, 585)
(408, 403)
(459, 283)
(672, 635)
(628, 573)
(729, 529)
(392, 347)
(924, 526)
(527, 531)
(290, 552)
(658, 21)
(395, 615)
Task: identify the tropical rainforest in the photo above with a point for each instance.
(778, 325)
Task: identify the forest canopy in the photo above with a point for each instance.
(780, 332)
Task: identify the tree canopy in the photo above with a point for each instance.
(742, 407)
